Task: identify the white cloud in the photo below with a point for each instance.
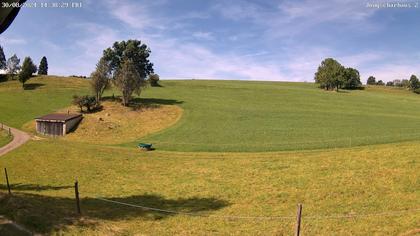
(176, 58)
(12, 41)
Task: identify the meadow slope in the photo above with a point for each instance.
(246, 128)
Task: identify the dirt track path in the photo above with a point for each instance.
(8, 227)
(19, 138)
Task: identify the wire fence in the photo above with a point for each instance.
(298, 217)
(320, 217)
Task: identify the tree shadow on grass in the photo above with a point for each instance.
(32, 86)
(33, 187)
(144, 103)
(46, 214)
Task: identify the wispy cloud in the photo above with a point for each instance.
(12, 41)
(229, 39)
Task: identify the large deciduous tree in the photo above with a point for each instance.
(100, 79)
(351, 79)
(129, 80)
(414, 82)
(43, 66)
(28, 68)
(330, 74)
(129, 65)
(134, 50)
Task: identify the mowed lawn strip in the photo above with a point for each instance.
(355, 181)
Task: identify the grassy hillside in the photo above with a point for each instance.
(43, 95)
(223, 116)
(245, 116)
(263, 116)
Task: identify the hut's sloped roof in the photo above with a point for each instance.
(58, 117)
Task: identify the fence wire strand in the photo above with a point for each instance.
(314, 217)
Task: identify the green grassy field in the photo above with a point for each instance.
(263, 116)
(5, 138)
(361, 181)
(233, 116)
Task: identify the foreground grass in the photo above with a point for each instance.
(5, 138)
(344, 181)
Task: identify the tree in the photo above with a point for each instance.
(351, 79)
(128, 80)
(28, 68)
(414, 82)
(390, 83)
(380, 83)
(84, 101)
(154, 80)
(100, 79)
(133, 50)
(43, 66)
(330, 74)
(371, 80)
(12, 65)
(2, 59)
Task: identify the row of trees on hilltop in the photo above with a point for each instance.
(125, 65)
(23, 73)
(332, 75)
(412, 84)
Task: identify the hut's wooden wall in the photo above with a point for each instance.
(49, 128)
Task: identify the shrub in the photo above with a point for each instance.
(84, 101)
(371, 80)
(154, 80)
(380, 83)
(417, 91)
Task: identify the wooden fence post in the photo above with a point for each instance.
(7, 181)
(76, 192)
(298, 219)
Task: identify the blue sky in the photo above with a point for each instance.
(222, 39)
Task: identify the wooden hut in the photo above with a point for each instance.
(57, 124)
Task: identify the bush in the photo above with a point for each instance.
(371, 80)
(380, 83)
(154, 80)
(417, 91)
(84, 101)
